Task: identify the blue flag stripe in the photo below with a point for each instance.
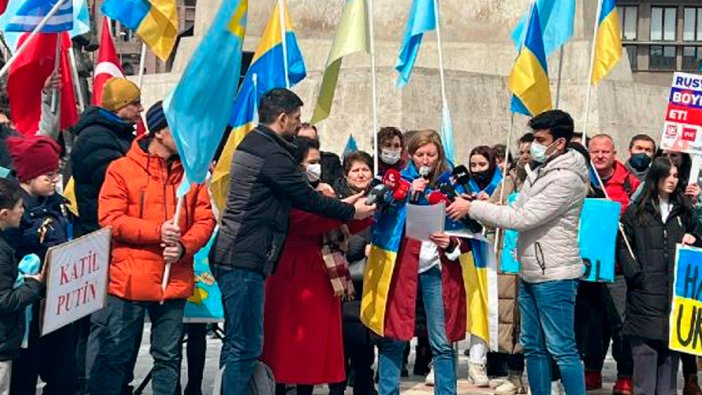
(31, 13)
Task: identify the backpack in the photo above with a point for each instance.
(262, 381)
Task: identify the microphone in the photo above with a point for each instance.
(383, 192)
(376, 194)
(402, 191)
(424, 173)
(437, 197)
(460, 175)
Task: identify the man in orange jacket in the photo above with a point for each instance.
(138, 200)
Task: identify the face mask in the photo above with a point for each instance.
(640, 161)
(313, 172)
(390, 157)
(538, 152)
(481, 176)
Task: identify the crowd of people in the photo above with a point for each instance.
(296, 237)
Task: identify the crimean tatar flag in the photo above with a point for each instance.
(528, 80)
(266, 72)
(154, 21)
(422, 18)
(608, 41)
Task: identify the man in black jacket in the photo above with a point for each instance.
(103, 134)
(266, 183)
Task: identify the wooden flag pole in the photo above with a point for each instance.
(374, 86)
(142, 64)
(283, 40)
(504, 178)
(592, 67)
(167, 268)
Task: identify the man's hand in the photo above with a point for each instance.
(326, 190)
(483, 196)
(688, 239)
(173, 253)
(38, 277)
(353, 199)
(441, 239)
(52, 83)
(459, 209)
(363, 210)
(693, 191)
(170, 233)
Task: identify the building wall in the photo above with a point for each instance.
(478, 57)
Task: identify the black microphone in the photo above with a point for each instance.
(376, 194)
(424, 173)
(460, 175)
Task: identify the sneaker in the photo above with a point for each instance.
(623, 386)
(593, 380)
(429, 380)
(477, 375)
(507, 388)
(557, 388)
(496, 382)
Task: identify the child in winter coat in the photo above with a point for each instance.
(13, 300)
(46, 223)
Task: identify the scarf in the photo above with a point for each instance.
(335, 243)
(490, 188)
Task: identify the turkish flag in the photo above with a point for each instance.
(26, 80)
(108, 66)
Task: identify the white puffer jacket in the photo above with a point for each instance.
(547, 216)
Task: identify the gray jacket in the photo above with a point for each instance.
(547, 216)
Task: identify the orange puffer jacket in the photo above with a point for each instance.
(137, 197)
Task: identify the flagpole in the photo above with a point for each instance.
(34, 32)
(57, 64)
(76, 81)
(142, 63)
(560, 74)
(167, 268)
(444, 101)
(374, 86)
(504, 178)
(592, 68)
(284, 41)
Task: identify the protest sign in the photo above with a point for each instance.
(682, 130)
(686, 312)
(205, 305)
(76, 279)
(599, 223)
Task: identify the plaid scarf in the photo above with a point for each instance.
(335, 244)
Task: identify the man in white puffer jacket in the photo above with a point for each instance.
(546, 215)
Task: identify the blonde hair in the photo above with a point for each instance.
(419, 139)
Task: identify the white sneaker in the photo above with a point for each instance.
(557, 388)
(477, 375)
(507, 388)
(496, 382)
(429, 380)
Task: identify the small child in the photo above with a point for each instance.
(13, 301)
(46, 222)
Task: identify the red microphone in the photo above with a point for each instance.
(402, 191)
(392, 179)
(437, 197)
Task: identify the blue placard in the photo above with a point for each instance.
(205, 305)
(599, 224)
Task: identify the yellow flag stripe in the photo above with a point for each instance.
(376, 288)
(529, 82)
(608, 47)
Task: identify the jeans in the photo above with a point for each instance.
(242, 298)
(123, 323)
(390, 360)
(547, 311)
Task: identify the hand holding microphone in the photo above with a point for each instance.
(420, 184)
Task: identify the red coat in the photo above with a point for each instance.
(137, 197)
(302, 318)
(621, 185)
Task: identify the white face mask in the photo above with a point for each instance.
(390, 157)
(313, 172)
(538, 152)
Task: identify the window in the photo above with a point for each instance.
(632, 51)
(628, 20)
(662, 57)
(692, 24)
(663, 23)
(692, 58)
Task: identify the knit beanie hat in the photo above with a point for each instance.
(156, 118)
(33, 156)
(118, 92)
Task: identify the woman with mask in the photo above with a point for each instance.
(660, 219)
(429, 268)
(484, 174)
(359, 352)
(302, 313)
(391, 146)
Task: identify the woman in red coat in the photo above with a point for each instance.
(303, 342)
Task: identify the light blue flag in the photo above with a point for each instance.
(351, 146)
(81, 18)
(422, 18)
(447, 135)
(557, 18)
(30, 13)
(198, 108)
(81, 21)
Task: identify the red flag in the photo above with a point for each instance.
(28, 75)
(108, 64)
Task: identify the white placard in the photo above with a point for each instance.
(76, 279)
(423, 221)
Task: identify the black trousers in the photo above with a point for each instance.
(359, 355)
(655, 367)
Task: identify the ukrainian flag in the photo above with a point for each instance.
(608, 41)
(265, 73)
(154, 21)
(528, 80)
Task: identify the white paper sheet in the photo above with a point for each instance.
(423, 221)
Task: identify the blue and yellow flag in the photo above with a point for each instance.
(266, 72)
(154, 21)
(528, 80)
(422, 18)
(608, 41)
(198, 108)
(557, 18)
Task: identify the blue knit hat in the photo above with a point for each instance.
(156, 118)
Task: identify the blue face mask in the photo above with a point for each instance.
(538, 152)
(640, 161)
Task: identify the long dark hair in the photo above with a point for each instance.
(684, 168)
(660, 169)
